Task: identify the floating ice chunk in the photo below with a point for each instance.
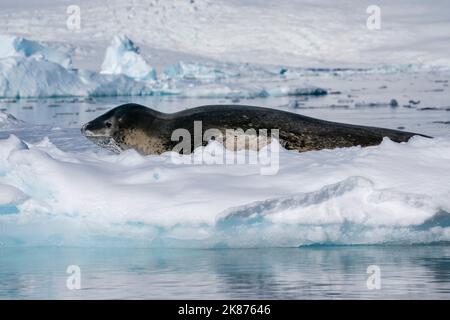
(113, 85)
(281, 91)
(248, 90)
(395, 192)
(11, 46)
(195, 70)
(30, 77)
(123, 57)
(30, 69)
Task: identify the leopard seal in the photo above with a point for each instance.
(133, 126)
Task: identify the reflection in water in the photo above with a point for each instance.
(284, 273)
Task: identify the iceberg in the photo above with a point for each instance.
(123, 57)
(11, 46)
(31, 69)
(31, 77)
(34, 77)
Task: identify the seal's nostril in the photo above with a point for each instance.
(84, 129)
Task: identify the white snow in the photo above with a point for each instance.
(122, 57)
(286, 32)
(388, 193)
(10, 195)
(196, 43)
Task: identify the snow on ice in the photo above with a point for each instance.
(122, 57)
(392, 193)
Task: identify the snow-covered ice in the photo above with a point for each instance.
(30, 69)
(199, 71)
(301, 33)
(19, 47)
(214, 47)
(122, 57)
(392, 193)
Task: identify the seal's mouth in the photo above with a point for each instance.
(106, 142)
(88, 133)
(101, 140)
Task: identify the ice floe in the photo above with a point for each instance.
(392, 193)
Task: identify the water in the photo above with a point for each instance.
(407, 272)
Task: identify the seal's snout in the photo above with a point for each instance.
(85, 130)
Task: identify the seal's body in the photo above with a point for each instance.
(150, 132)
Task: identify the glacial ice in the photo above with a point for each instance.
(200, 71)
(123, 57)
(11, 46)
(31, 69)
(383, 194)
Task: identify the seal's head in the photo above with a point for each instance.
(112, 129)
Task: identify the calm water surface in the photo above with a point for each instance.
(407, 272)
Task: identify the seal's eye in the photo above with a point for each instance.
(108, 124)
